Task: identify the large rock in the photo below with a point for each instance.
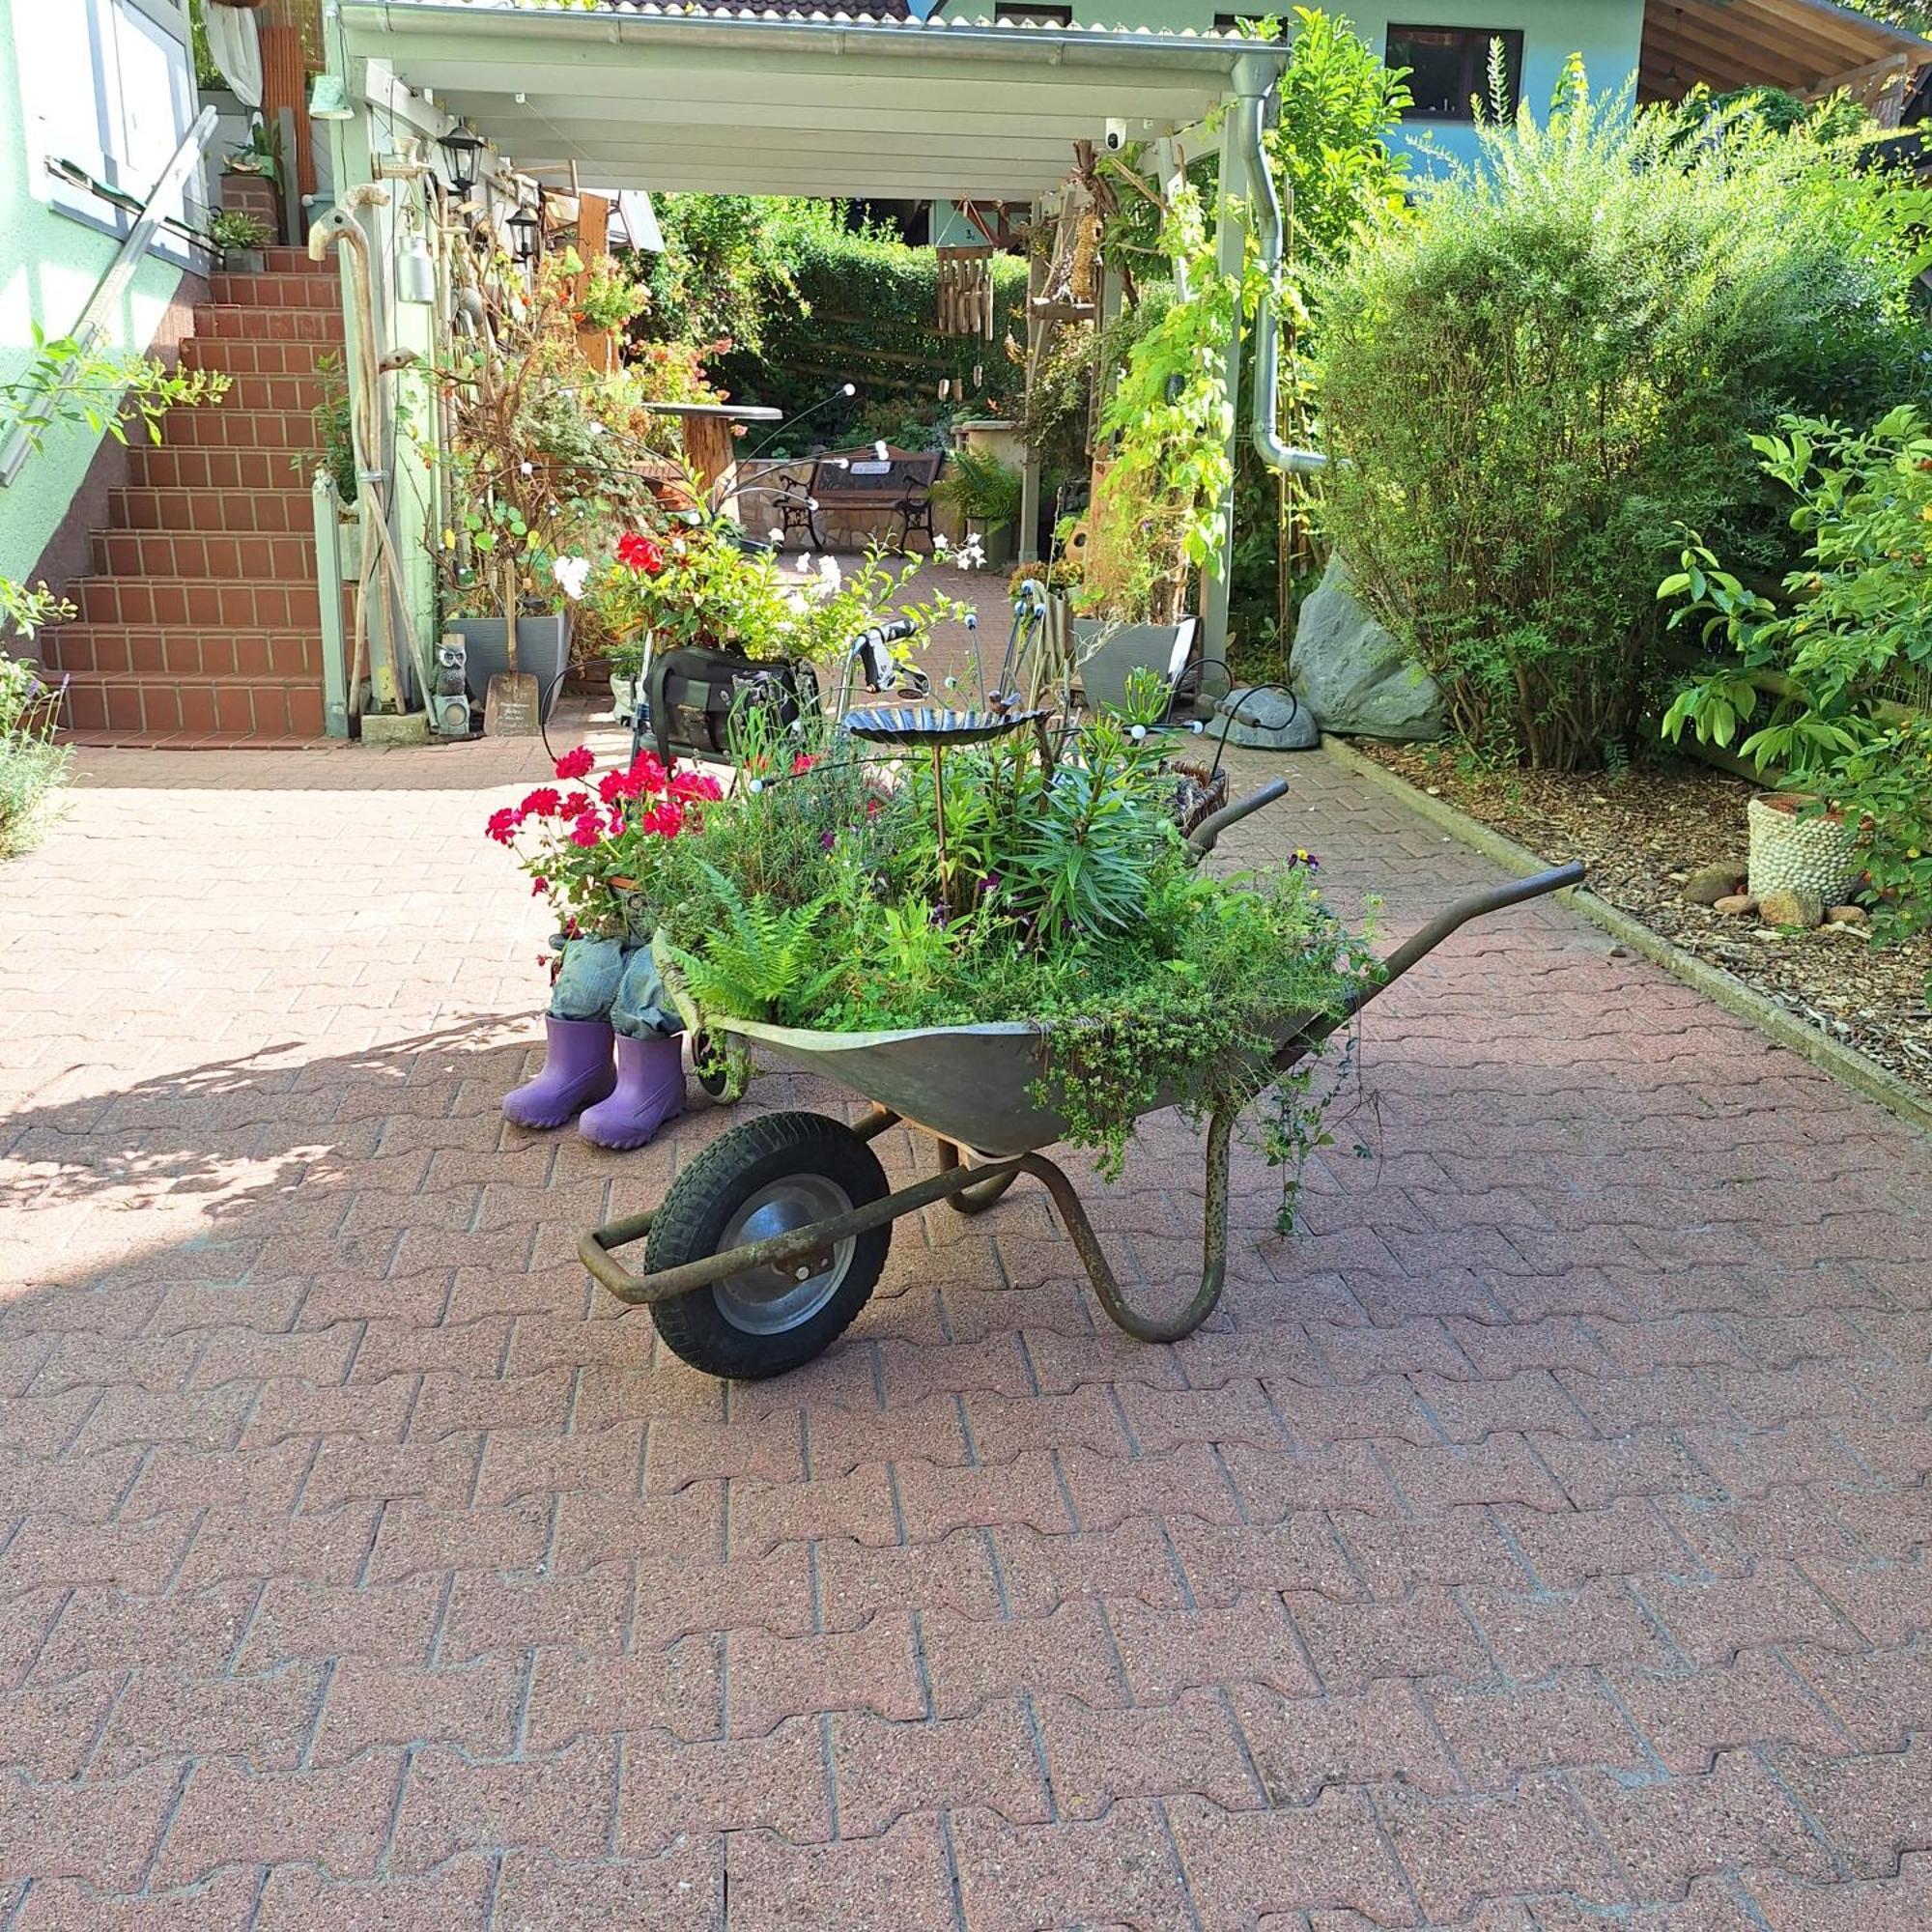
(1353, 676)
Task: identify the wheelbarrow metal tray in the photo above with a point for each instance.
(971, 1084)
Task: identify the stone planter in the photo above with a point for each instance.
(244, 260)
(1104, 652)
(543, 650)
(1792, 849)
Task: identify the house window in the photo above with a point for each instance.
(1449, 68)
(1033, 16)
(1228, 23)
(108, 86)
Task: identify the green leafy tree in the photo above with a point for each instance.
(1560, 354)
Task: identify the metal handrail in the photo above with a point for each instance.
(113, 285)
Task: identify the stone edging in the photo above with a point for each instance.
(1846, 1063)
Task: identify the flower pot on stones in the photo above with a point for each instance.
(1792, 846)
(543, 652)
(244, 260)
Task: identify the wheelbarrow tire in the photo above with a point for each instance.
(767, 1175)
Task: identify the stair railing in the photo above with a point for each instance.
(101, 305)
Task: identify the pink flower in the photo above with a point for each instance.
(689, 785)
(648, 773)
(613, 786)
(574, 804)
(577, 764)
(502, 825)
(542, 803)
(588, 831)
(666, 820)
(803, 763)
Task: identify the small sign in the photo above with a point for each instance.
(870, 468)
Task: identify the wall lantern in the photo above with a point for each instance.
(526, 235)
(462, 149)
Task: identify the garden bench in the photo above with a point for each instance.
(900, 482)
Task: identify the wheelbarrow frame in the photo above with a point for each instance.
(970, 1189)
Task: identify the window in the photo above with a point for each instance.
(108, 85)
(1228, 23)
(1030, 15)
(1449, 68)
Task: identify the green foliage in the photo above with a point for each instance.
(757, 955)
(334, 432)
(235, 228)
(68, 384)
(1852, 638)
(863, 309)
(31, 764)
(1157, 510)
(1559, 356)
(979, 486)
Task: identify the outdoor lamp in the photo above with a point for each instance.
(462, 148)
(525, 231)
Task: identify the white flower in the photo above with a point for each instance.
(880, 453)
(941, 542)
(796, 604)
(828, 571)
(571, 573)
(802, 563)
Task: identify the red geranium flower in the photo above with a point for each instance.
(666, 820)
(574, 804)
(804, 762)
(502, 825)
(577, 764)
(639, 553)
(588, 830)
(687, 786)
(542, 803)
(648, 773)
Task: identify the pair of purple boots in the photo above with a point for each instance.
(618, 1103)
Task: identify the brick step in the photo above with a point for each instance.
(200, 603)
(281, 395)
(233, 425)
(228, 559)
(232, 355)
(216, 511)
(180, 741)
(290, 261)
(232, 321)
(168, 467)
(197, 707)
(304, 288)
(113, 651)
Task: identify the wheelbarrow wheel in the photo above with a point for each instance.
(722, 1071)
(767, 1176)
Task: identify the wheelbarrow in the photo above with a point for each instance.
(771, 1241)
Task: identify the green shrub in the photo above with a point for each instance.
(32, 765)
(1560, 357)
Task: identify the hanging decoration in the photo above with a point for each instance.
(965, 291)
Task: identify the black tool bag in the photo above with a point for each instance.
(692, 693)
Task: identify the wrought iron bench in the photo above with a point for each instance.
(900, 483)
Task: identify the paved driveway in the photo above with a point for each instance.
(1537, 1541)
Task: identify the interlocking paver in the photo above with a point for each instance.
(1539, 1535)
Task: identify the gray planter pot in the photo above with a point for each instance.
(543, 650)
(1104, 652)
(244, 260)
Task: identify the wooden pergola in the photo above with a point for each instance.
(1811, 48)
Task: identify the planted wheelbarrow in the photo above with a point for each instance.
(774, 1237)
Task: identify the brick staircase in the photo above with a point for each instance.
(200, 625)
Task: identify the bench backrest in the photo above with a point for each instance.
(860, 476)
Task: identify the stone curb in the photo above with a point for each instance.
(1876, 1083)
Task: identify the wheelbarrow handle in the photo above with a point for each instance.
(1200, 840)
(1515, 892)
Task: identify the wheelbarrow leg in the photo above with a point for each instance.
(981, 1195)
(1214, 1242)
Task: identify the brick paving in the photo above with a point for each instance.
(1537, 1540)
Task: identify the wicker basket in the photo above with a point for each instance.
(1792, 848)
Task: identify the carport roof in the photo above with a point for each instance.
(735, 101)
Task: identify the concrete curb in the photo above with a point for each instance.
(1876, 1083)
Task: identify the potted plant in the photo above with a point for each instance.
(1854, 797)
(984, 493)
(239, 239)
(1155, 516)
(606, 303)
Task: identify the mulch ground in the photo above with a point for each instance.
(1640, 831)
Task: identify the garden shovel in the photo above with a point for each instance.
(512, 703)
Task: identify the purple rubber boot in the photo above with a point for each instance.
(650, 1091)
(577, 1070)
